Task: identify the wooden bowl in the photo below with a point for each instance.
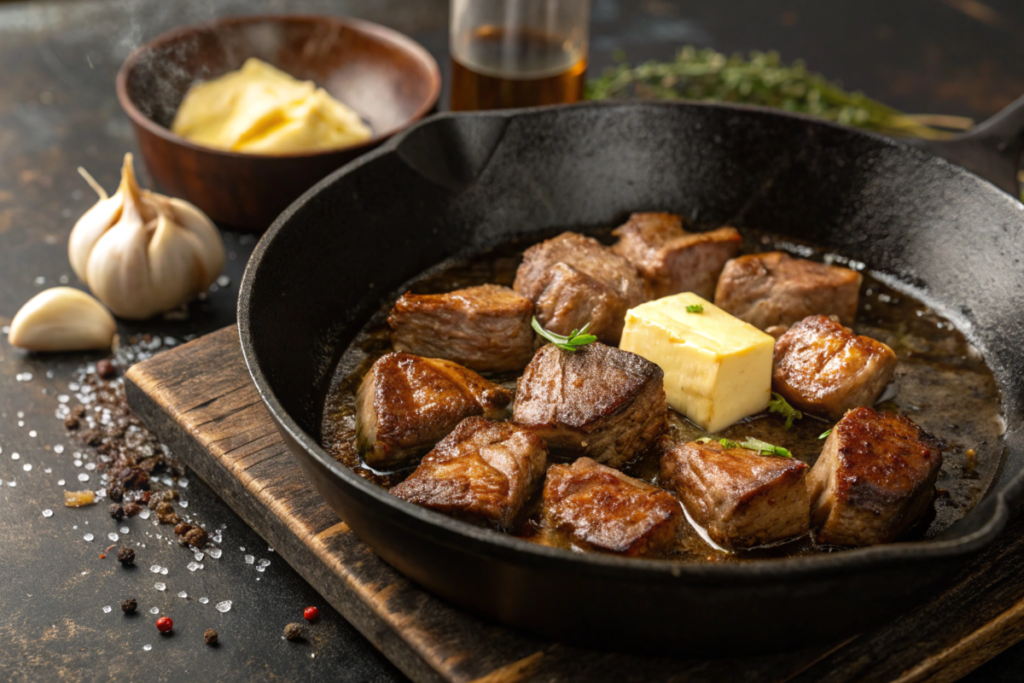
(387, 78)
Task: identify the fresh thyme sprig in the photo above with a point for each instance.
(762, 79)
(751, 444)
(780, 405)
(825, 434)
(575, 340)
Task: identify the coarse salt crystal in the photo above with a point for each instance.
(88, 537)
(113, 537)
(224, 606)
(249, 559)
(106, 609)
(47, 513)
(160, 586)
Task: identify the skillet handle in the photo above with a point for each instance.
(992, 149)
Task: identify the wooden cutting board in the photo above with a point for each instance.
(199, 398)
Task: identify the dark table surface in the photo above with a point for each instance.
(58, 111)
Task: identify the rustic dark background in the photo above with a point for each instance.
(58, 111)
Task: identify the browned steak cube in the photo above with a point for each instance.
(406, 404)
(600, 508)
(484, 328)
(742, 498)
(598, 401)
(482, 472)
(671, 260)
(824, 368)
(606, 284)
(873, 480)
(777, 289)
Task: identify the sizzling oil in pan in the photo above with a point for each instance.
(942, 383)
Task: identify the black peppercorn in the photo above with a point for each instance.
(117, 512)
(182, 528)
(70, 422)
(129, 606)
(292, 631)
(106, 369)
(210, 636)
(126, 556)
(115, 492)
(131, 509)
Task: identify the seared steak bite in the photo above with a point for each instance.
(603, 509)
(671, 260)
(742, 498)
(484, 472)
(824, 368)
(777, 289)
(591, 276)
(598, 401)
(484, 328)
(406, 404)
(873, 480)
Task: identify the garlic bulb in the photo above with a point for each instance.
(144, 253)
(62, 319)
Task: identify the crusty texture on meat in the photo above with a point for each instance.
(776, 289)
(671, 260)
(602, 509)
(485, 328)
(482, 472)
(592, 272)
(598, 401)
(743, 499)
(874, 479)
(406, 404)
(571, 299)
(824, 368)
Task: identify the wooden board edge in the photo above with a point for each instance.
(292, 550)
(970, 652)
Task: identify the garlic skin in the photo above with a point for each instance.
(62, 319)
(144, 253)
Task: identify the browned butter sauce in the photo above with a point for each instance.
(942, 383)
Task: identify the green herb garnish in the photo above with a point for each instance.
(695, 308)
(780, 405)
(575, 340)
(824, 434)
(761, 79)
(751, 444)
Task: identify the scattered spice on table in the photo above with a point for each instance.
(126, 556)
(310, 613)
(210, 637)
(292, 631)
(129, 606)
(117, 512)
(164, 624)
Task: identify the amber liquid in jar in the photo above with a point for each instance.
(498, 69)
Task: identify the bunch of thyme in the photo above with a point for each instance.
(760, 79)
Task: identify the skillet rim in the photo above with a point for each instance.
(496, 544)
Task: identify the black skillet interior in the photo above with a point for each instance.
(458, 184)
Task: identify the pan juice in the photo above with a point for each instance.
(942, 383)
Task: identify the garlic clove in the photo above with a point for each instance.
(91, 226)
(62, 319)
(174, 269)
(118, 270)
(210, 247)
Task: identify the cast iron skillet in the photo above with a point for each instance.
(458, 184)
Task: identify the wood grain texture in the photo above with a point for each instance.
(200, 399)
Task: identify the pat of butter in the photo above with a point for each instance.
(718, 369)
(263, 110)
